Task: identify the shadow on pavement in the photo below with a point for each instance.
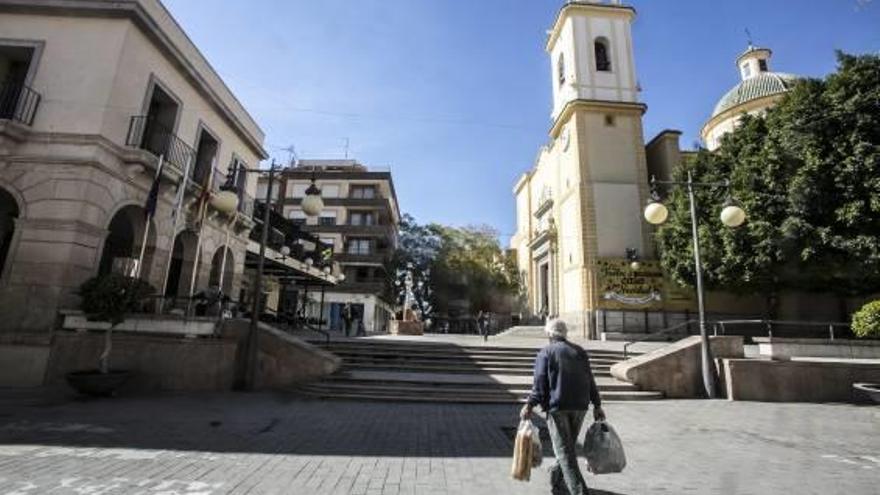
(263, 423)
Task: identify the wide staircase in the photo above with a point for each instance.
(381, 369)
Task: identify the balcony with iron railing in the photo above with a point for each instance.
(147, 134)
(18, 103)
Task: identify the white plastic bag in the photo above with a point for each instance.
(603, 449)
(527, 451)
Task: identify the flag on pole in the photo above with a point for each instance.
(153, 195)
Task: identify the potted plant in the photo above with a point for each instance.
(107, 298)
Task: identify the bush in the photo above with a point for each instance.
(110, 297)
(866, 321)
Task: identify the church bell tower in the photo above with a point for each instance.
(597, 117)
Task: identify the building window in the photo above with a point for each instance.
(298, 217)
(362, 218)
(762, 65)
(747, 70)
(358, 246)
(362, 274)
(560, 67)
(297, 190)
(327, 218)
(603, 59)
(362, 192)
(329, 191)
(609, 120)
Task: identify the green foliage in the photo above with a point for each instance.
(461, 263)
(110, 297)
(808, 175)
(866, 321)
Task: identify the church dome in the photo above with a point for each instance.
(756, 87)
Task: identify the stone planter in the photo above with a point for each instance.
(97, 384)
(783, 349)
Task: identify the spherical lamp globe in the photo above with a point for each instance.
(733, 216)
(285, 251)
(312, 205)
(656, 213)
(225, 201)
(635, 266)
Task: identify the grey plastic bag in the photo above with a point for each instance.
(603, 449)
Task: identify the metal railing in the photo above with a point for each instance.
(761, 328)
(146, 133)
(18, 102)
(823, 328)
(666, 332)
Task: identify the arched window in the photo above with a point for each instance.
(560, 67)
(603, 60)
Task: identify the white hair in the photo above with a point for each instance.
(556, 329)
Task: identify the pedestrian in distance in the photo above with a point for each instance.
(347, 318)
(564, 387)
(483, 325)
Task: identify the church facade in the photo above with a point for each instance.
(581, 202)
(584, 251)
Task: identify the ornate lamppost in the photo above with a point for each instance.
(226, 201)
(732, 215)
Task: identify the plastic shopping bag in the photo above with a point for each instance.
(527, 451)
(603, 449)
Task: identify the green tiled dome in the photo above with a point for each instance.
(764, 84)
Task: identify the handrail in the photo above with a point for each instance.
(146, 133)
(664, 332)
(831, 325)
(307, 326)
(723, 323)
(18, 102)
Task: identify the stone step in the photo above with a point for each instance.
(427, 387)
(435, 348)
(443, 368)
(464, 359)
(377, 395)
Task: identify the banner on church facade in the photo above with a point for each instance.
(621, 287)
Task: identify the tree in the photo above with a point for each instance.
(808, 174)
(110, 298)
(456, 264)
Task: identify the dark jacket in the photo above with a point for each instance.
(563, 379)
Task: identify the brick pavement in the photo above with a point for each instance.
(265, 443)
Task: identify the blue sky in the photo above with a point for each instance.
(454, 95)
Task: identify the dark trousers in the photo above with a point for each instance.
(565, 475)
(346, 329)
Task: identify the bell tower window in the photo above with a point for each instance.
(560, 68)
(603, 61)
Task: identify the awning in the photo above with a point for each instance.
(286, 269)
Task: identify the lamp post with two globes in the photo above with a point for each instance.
(226, 201)
(732, 215)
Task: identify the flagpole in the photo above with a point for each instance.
(148, 218)
(225, 251)
(175, 215)
(203, 209)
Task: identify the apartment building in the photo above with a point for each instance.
(359, 223)
(95, 93)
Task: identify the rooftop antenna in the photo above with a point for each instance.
(749, 37)
(292, 158)
(347, 143)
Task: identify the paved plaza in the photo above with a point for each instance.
(269, 443)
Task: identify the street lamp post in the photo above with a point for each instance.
(732, 215)
(227, 201)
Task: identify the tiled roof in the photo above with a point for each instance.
(760, 86)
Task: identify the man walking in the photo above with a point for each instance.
(483, 324)
(564, 387)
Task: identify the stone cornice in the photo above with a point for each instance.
(138, 14)
(596, 106)
(623, 11)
